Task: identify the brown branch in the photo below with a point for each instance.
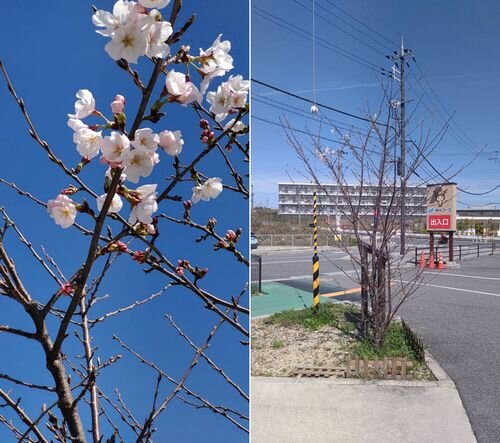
(22, 415)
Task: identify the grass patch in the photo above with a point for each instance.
(395, 344)
(340, 315)
(277, 344)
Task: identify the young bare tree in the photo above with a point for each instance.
(61, 317)
(370, 192)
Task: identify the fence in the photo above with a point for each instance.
(460, 252)
(388, 368)
(297, 240)
(256, 273)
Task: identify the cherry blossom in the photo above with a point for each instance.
(171, 142)
(157, 34)
(215, 61)
(84, 106)
(123, 11)
(147, 205)
(75, 123)
(184, 91)
(88, 142)
(145, 139)
(137, 163)
(159, 4)
(237, 127)
(128, 42)
(118, 104)
(229, 95)
(115, 206)
(62, 209)
(114, 146)
(210, 189)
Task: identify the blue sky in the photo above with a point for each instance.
(51, 51)
(454, 45)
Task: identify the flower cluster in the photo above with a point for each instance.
(134, 30)
(229, 97)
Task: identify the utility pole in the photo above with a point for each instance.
(400, 61)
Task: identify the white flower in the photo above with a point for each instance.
(146, 207)
(238, 91)
(213, 187)
(84, 106)
(145, 139)
(128, 42)
(75, 123)
(237, 127)
(229, 95)
(215, 61)
(123, 11)
(198, 194)
(159, 4)
(158, 33)
(171, 142)
(210, 189)
(62, 209)
(137, 163)
(88, 142)
(114, 146)
(115, 206)
(183, 90)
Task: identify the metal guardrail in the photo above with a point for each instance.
(460, 252)
(256, 273)
(297, 240)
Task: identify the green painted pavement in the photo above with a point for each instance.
(277, 297)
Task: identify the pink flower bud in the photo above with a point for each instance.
(66, 289)
(230, 235)
(179, 271)
(204, 139)
(150, 229)
(139, 256)
(122, 247)
(117, 107)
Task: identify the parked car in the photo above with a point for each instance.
(254, 243)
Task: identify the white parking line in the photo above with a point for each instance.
(462, 275)
(453, 289)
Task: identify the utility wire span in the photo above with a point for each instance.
(311, 135)
(320, 41)
(342, 29)
(361, 23)
(330, 108)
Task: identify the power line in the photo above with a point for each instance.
(321, 41)
(301, 113)
(309, 134)
(330, 108)
(361, 23)
(339, 28)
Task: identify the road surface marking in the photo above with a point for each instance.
(309, 276)
(463, 275)
(452, 289)
(340, 293)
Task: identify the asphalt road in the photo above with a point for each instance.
(457, 311)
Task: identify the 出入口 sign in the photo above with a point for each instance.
(441, 207)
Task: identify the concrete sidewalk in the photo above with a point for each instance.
(295, 410)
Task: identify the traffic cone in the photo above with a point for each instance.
(422, 260)
(431, 261)
(440, 263)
